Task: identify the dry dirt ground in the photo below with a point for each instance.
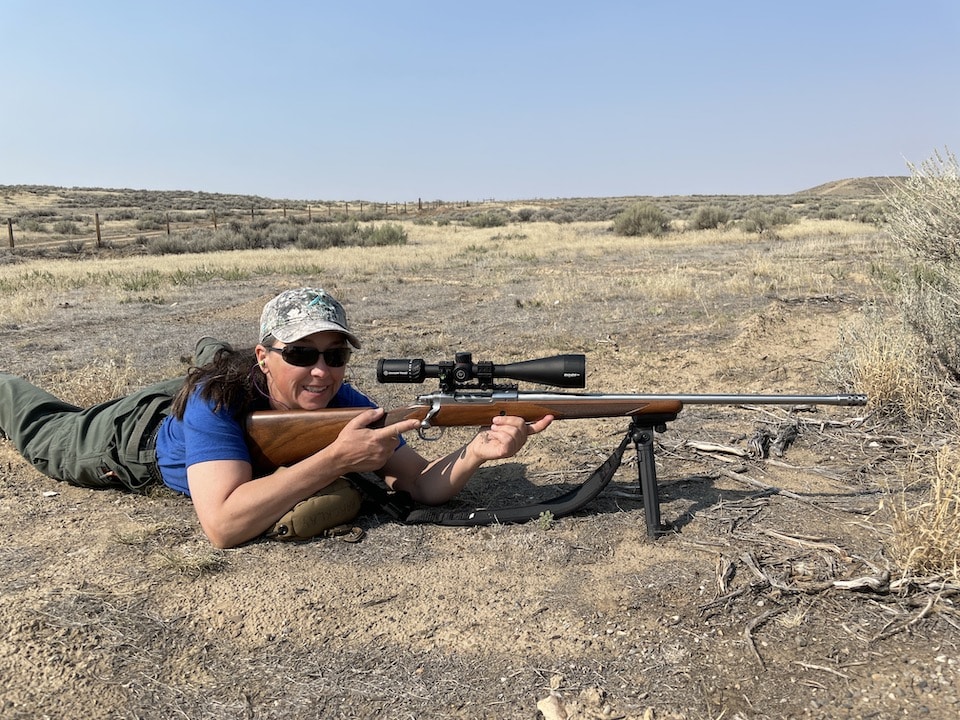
(115, 606)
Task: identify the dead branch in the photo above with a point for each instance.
(754, 624)
(810, 666)
(889, 631)
(746, 480)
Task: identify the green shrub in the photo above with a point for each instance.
(781, 216)
(72, 247)
(487, 220)
(924, 221)
(31, 225)
(167, 245)
(387, 234)
(66, 227)
(122, 214)
(281, 234)
(759, 221)
(151, 221)
(325, 235)
(320, 236)
(709, 217)
(641, 219)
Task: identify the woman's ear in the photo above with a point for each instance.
(261, 358)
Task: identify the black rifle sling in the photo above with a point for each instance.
(401, 507)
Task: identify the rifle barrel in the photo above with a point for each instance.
(739, 399)
(849, 399)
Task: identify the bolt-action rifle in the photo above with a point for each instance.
(470, 395)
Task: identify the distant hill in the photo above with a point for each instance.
(863, 188)
(38, 208)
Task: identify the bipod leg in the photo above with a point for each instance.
(642, 436)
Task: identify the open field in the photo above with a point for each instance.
(71, 221)
(115, 605)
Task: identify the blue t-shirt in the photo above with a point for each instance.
(205, 435)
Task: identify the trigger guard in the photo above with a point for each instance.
(424, 432)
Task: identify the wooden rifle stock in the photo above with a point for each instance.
(283, 437)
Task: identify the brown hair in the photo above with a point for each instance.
(230, 380)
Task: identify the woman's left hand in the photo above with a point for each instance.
(505, 436)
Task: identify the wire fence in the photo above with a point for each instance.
(110, 231)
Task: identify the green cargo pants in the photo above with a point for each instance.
(108, 445)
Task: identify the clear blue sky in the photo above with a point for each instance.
(394, 101)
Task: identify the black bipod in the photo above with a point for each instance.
(641, 433)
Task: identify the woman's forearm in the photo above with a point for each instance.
(445, 477)
(233, 510)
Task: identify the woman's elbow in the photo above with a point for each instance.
(219, 541)
(223, 537)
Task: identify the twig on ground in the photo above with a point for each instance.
(811, 666)
(746, 480)
(807, 542)
(890, 631)
(754, 624)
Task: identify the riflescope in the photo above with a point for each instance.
(567, 371)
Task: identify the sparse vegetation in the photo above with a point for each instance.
(759, 221)
(193, 561)
(641, 219)
(924, 221)
(66, 227)
(709, 217)
(881, 357)
(926, 543)
(487, 220)
(909, 363)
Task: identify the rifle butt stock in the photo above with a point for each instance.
(282, 437)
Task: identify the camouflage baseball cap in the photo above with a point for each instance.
(294, 314)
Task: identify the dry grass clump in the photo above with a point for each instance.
(927, 534)
(906, 364)
(924, 220)
(108, 378)
(882, 358)
(192, 561)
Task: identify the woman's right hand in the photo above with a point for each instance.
(360, 448)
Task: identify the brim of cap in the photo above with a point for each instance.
(298, 330)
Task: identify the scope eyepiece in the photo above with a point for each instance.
(402, 371)
(568, 371)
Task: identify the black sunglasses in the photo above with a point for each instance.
(305, 356)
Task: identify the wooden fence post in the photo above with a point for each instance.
(167, 217)
(214, 218)
(10, 230)
(96, 221)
